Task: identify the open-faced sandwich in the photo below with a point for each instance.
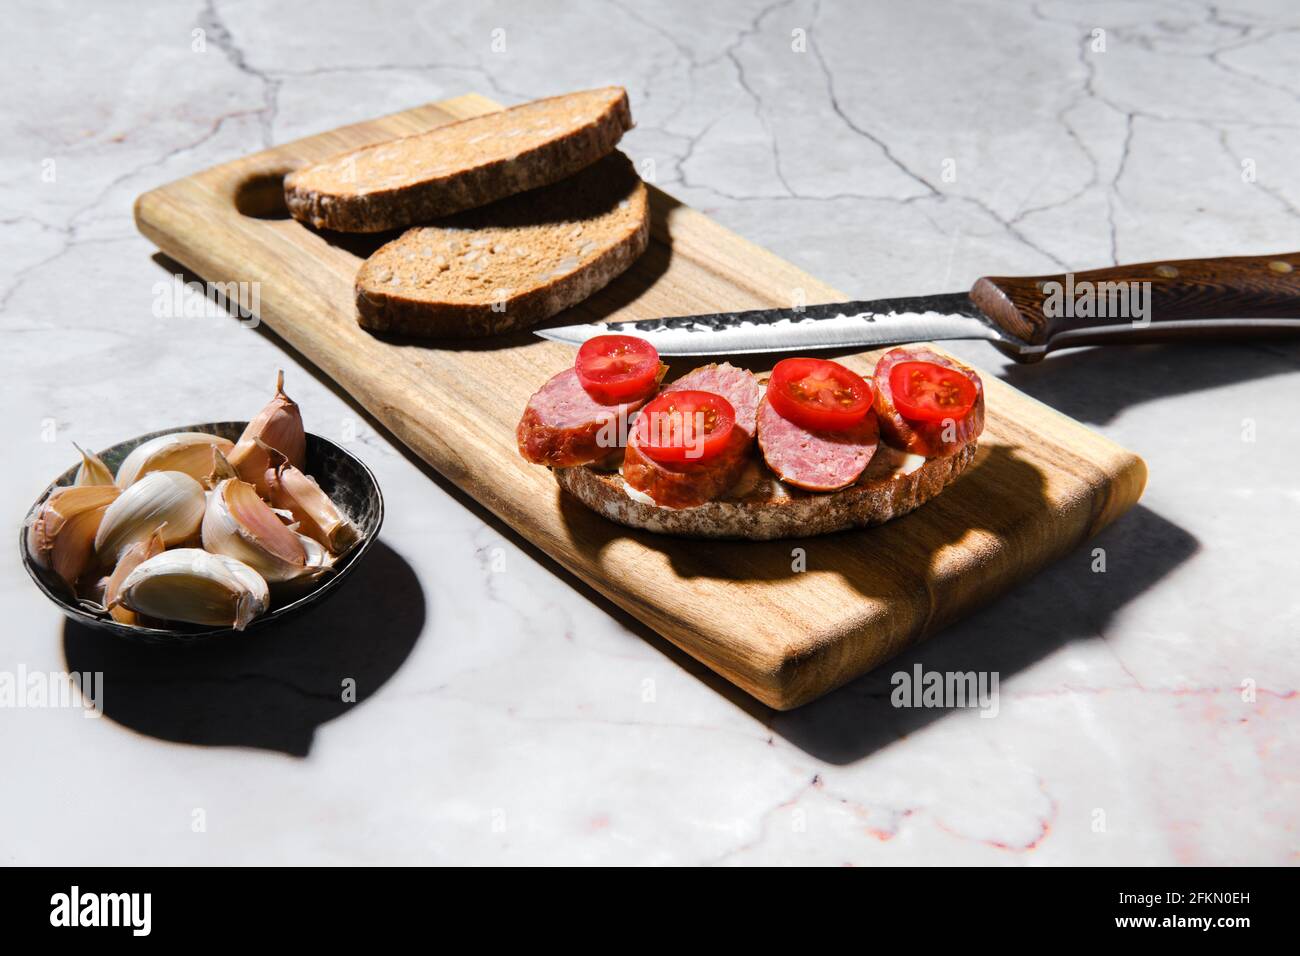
(812, 449)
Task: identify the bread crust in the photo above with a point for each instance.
(346, 209)
(880, 495)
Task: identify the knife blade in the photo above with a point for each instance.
(1231, 297)
(835, 325)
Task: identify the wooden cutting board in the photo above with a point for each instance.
(1040, 485)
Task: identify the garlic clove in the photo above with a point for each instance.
(241, 525)
(187, 452)
(193, 586)
(252, 463)
(279, 425)
(61, 535)
(317, 555)
(317, 516)
(131, 559)
(170, 499)
(92, 471)
(318, 563)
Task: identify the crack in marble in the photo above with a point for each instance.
(1271, 191)
(838, 109)
(754, 28)
(215, 29)
(1247, 34)
(764, 821)
(931, 191)
(75, 223)
(1113, 196)
(1045, 824)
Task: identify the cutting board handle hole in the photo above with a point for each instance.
(261, 195)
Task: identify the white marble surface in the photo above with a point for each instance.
(504, 716)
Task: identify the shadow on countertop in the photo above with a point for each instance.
(1095, 385)
(1066, 601)
(269, 689)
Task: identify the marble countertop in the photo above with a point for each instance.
(507, 714)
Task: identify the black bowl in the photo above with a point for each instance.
(341, 475)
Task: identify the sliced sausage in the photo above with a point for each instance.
(931, 439)
(564, 426)
(736, 385)
(687, 484)
(815, 460)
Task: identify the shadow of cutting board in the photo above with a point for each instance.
(786, 620)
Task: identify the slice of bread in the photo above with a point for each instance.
(762, 508)
(512, 264)
(461, 165)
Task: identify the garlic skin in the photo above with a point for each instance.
(279, 426)
(61, 535)
(193, 586)
(187, 452)
(131, 559)
(241, 525)
(170, 502)
(317, 516)
(220, 470)
(92, 471)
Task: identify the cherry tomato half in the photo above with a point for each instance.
(685, 426)
(926, 392)
(617, 368)
(819, 394)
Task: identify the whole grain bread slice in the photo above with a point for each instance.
(459, 166)
(511, 264)
(892, 485)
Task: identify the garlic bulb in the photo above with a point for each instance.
(131, 559)
(190, 585)
(187, 452)
(278, 425)
(170, 502)
(61, 535)
(241, 525)
(92, 470)
(316, 514)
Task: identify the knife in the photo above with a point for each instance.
(1226, 297)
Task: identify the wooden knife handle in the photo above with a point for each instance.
(1149, 302)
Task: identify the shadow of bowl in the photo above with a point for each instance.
(271, 689)
(340, 474)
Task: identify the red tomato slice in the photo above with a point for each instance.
(926, 392)
(617, 368)
(818, 394)
(685, 426)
